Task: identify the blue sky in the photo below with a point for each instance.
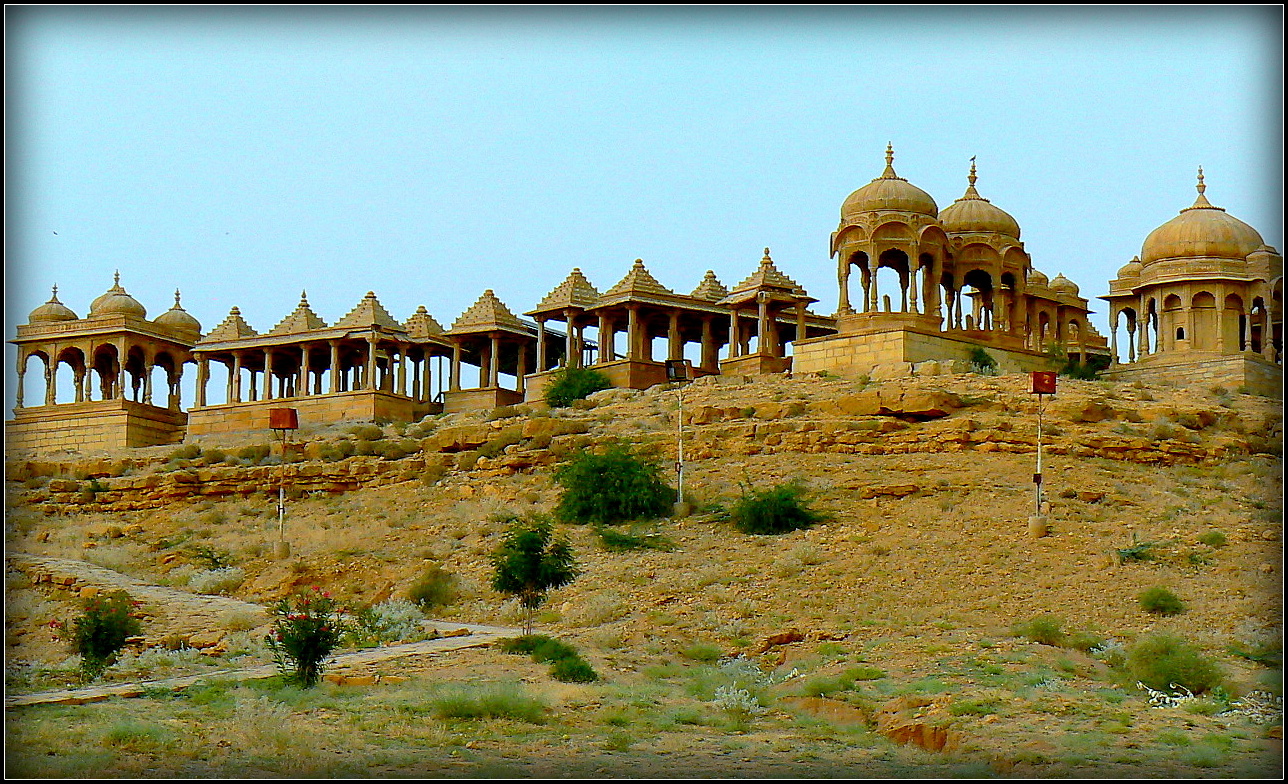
(242, 155)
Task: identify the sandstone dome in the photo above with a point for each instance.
(888, 192)
(53, 310)
(973, 213)
(1201, 231)
(116, 301)
(178, 319)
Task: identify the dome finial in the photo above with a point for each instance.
(1201, 201)
(766, 259)
(116, 279)
(54, 298)
(971, 177)
(889, 174)
(176, 298)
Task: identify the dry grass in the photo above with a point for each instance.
(924, 590)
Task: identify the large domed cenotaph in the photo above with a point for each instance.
(1202, 304)
(942, 285)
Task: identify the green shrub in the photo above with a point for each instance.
(255, 453)
(102, 630)
(1161, 660)
(574, 670)
(618, 541)
(1044, 629)
(498, 443)
(611, 487)
(396, 449)
(572, 383)
(367, 432)
(1160, 601)
(435, 588)
(982, 362)
(778, 510)
(489, 702)
(567, 664)
(550, 650)
(186, 452)
(1213, 538)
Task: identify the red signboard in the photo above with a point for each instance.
(1044, 382)
(283, 419)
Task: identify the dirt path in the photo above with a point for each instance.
(179, 610)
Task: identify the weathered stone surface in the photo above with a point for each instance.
(549, 427)
(833, 711)
(781, 638)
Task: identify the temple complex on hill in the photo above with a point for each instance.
(1202, 304)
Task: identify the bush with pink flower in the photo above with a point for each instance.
(307, 628)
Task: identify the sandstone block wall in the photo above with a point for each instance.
(363, 406)
(108, 424)
(1249, 373)
(857, 355)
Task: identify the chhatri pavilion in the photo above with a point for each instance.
(1201, 304)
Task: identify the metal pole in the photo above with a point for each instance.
(679, 493)
(1037, 478)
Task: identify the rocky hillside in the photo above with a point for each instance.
(925, 563)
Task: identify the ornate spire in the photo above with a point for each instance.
(971, 179)
(575, 292)
(638, 281)
(710, 288)
(1201, 202)
(422, 325)
(302, 319)
(487, 313)
(369, 313)
(231, 328)
(889, 174)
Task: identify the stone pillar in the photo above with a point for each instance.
(1113, 337)
(268, 374)
(873, 265)
(912, 285)
(605, 338)
(1267, 335)
(572, 355)
(843, 285)
(764, 344)
(402, 369)
(801, 329)
(454, 374)
(521, 369)
(203, 378)
(633, 342)
(51, 381)
(735, 329)
(710, 354)
(22, 372)
(674, 346)
(234, 379)
(494, 361)
(335, 367)
(541, 344)
(369, 382)
(426, 384)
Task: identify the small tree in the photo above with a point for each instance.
(612, 486)
(102, 630)
(531, 562)
(574, 383)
